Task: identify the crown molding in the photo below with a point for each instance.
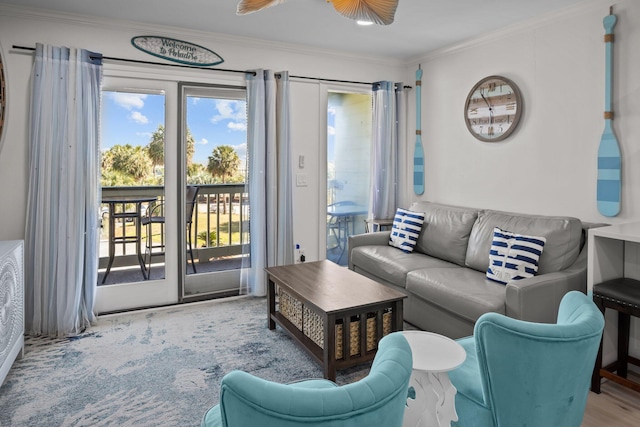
(22, 12)
(513, 30)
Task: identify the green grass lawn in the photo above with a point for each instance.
(227, 231)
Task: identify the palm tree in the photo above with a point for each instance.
(155, 149)
(191, 147)
(223, 162)
(128, 160)
(139, 164)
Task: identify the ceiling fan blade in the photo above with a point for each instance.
(378, 11)
(250, 6)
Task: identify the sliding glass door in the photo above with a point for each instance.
(213, 132)
(175, 211)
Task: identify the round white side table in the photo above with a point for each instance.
(433, 356)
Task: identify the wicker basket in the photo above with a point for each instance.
(312, 325)
(386, 322)
(290, 308)
(354, 338)
(372, 330)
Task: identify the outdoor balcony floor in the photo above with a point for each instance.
(133, 273)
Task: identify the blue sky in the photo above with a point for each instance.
(131, 118)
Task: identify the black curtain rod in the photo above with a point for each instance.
(137, 61)
(334, 81)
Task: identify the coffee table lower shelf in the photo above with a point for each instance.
(313, 349)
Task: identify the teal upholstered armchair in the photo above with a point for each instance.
(379, 399)
(521, 373)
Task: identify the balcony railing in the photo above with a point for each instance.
(220, 225)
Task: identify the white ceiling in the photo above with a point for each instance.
(420, 26)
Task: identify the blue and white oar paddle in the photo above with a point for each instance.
(609, 161)
(418, 152)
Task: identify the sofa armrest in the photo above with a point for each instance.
(537, 299)
(380, 238)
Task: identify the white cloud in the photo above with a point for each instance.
(237, 126)
(331, 130)
(138, 117)
(225, 109)
(203, 141)
(234, 111)
(128, 100)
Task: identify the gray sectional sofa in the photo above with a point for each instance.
(445, 275)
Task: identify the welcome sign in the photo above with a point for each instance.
(177, 50)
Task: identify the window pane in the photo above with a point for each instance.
(132, 169)
(348, 165)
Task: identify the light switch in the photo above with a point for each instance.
(301, 161)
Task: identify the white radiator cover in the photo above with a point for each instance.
(11, 304)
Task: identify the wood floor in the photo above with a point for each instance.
(615, 406)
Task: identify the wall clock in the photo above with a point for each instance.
(493, 109)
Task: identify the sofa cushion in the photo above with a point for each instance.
(513, 256)
(463, 291)
(445, 232)
(406, 229)
(390, 264)
(562, 236)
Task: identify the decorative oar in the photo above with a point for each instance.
(418, 152)
(609, 161)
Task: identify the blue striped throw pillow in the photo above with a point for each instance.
(406, 229)
(513, 256)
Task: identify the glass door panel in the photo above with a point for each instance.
(213, 161)
(348, 165)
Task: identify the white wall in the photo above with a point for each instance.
(548, 165)
(25, 27)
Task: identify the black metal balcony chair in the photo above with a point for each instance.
(155, 215)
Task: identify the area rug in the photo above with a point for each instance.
(158, 367)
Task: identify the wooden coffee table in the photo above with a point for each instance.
(316, 299)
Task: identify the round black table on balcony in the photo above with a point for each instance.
(125, 215)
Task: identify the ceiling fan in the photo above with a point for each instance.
(378, 11)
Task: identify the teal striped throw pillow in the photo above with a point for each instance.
(513, 256)
(406, 229)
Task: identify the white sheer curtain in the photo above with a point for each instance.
(389, 122)
(269, 178)
(61, 242)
